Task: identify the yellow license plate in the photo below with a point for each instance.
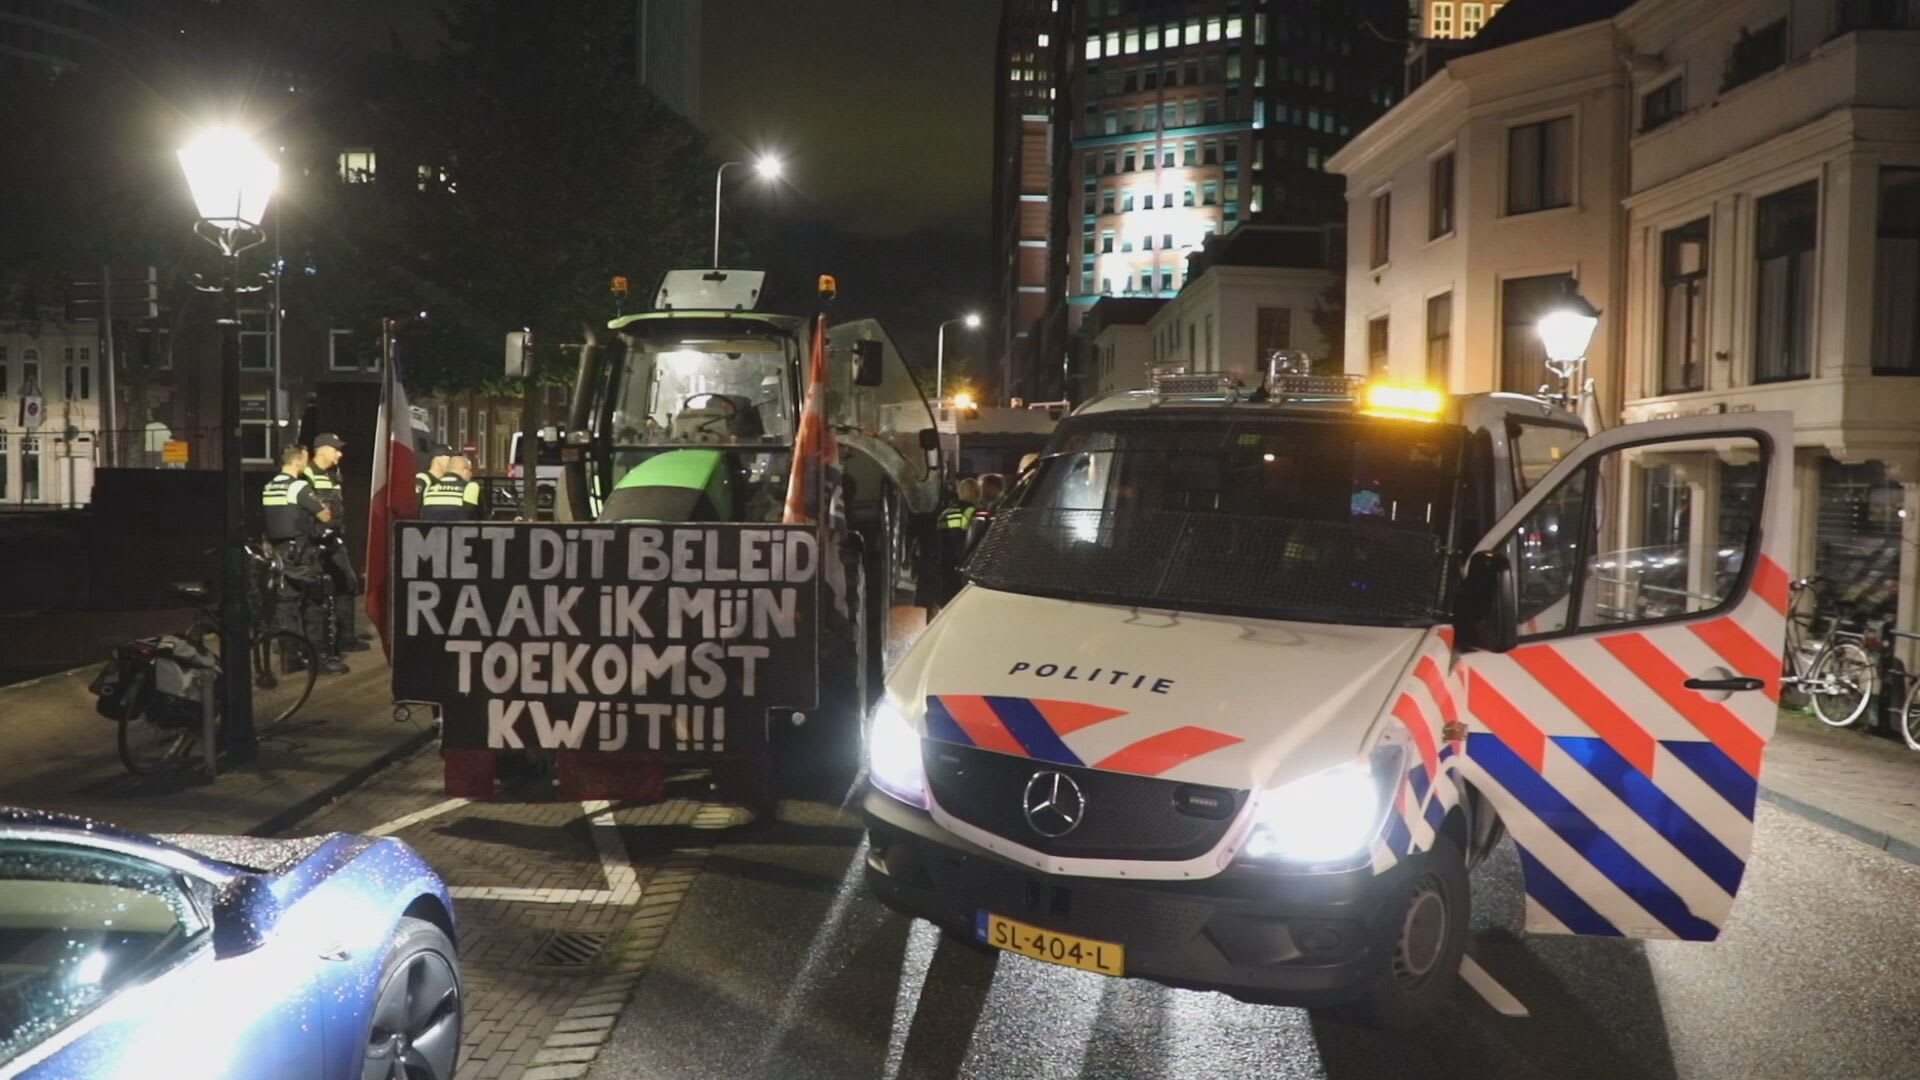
(1067, 950)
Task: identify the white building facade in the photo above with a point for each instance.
(54, 370)
(1230, 319)
(1476, 203)
(1773, 255)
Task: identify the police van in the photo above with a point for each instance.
(1244, 682)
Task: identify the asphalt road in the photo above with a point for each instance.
(780, 965)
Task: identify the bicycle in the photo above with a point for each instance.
(1839, 675)
(1897, 684)
(284, 667)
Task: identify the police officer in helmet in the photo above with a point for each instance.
(295, 517)
(324, 474)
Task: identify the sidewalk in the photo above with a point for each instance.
(1863, 785)
(56, 753)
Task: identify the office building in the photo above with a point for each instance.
(1022, 127)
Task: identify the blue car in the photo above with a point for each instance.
(131, 956)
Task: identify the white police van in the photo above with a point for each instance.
(1244, 683)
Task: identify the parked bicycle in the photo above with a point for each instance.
(1835, 670)
(1899, 697)
(156, 685)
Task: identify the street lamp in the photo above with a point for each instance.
(768, 166)
(972, 321)
(232, 180)
(1567, 331)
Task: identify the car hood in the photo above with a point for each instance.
(1206, 699)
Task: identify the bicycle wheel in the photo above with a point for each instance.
(1840, 684)
(285, 666)
(1909, 721)
(147, 748)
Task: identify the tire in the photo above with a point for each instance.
(1428, 927)
(416, 1008)
(1848, 666)
(285, 666)
(148, 749)
(1909, 721)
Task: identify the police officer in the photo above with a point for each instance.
(954, 523)
(439, 459)
(447, 498)
(295, 517)
(324, 474)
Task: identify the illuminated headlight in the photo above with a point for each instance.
(893, 756)
(1330, 818)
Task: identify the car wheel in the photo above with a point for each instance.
(415, 1031)
(1428, 932)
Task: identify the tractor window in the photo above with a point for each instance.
(704, 392)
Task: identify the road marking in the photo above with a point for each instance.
(615, 863)
(1496, 995)
(416, 817)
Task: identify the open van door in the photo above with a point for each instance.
(1622, 670)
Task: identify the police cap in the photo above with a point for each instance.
(329, 439)
(439, 449)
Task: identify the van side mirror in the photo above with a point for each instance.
(1483, 612)
(929, 439)
(519, 353)
(867, 363)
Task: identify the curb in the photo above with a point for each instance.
(353, 778)
(1875, 838)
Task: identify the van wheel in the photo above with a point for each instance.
(1428, 929)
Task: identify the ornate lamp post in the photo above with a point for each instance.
(232, 180)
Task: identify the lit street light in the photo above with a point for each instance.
(972, 321)
(232, 180)
(768, 166)
(1567, 331)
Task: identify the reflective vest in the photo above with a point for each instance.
(446, 500)
(957, 517)
(280, 503)
(328, 488)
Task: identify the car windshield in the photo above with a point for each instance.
(76, 924)
(704, 392)
(1330, 519)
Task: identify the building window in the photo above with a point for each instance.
(357, 166)
(1755, 53)
(4, 367)
(30, 468)
(1272, 332)
(1377, 347)
(1540, 166)
(1662, 104)
(1213, 363)
(256, 429)
(1523, 358)
(3, 466)
(1210, 152)
(256, 341)
(1871, 15)
(1106, 241)
(1130, 162)
(1439, 339)
(340, 351)
(1440, 19)
(1896, 274)
(1106, 201)
(1109, 162)
(1683, 314)
(1190, 154)
(1186, 197)
(77, 375)
(1472, 18)
(1382, 229)
(1786, 230)
(1210, 193)
(1440, 196)
(1166, 281)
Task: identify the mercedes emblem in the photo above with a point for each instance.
(1054, 803)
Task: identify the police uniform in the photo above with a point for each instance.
(954, 524)
(424, 479)
(292, 509)
(448, 499)
(334, 556)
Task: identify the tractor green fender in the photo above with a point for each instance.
(678, 485)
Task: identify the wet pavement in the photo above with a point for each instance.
(780, 965)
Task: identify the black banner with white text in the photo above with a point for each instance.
(659, 638)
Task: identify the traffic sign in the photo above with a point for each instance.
(174, 452)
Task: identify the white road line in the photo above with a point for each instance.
(523, 895)
(1496, 995)
(622, 882)
(416, 817)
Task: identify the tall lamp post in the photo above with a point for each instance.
(972, 321)
(232, 181)
(1567, 331)
(768, 166)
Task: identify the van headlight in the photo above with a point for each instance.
(893, 756)
(1328, 819)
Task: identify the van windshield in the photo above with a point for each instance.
(1326, 519)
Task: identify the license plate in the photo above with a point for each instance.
(1067, 950)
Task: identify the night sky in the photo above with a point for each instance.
(883, 109)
